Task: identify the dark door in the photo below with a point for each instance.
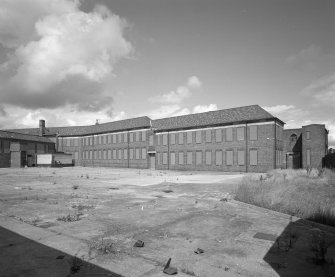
(293, 160)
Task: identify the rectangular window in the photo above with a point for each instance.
(131, 153)
(109, 138)
(159, 158)
(181, 138)
(218, 135)
(165, 158)
(125, 154)
(164, 139)
(240, 133)
(68, 142)
(229, 157)
(308, 157)
(253, 132)
(137, 153)
(189, 137)
(143, 135)
(76, 155)
(137, 136)
(218, 157)
(144, 153)
(173, 138)
(99, 138)
(131, 137)
(75, 142)
(103, 139)
(87, 155)
(189, 157)
(173, 158)
(100, 155)
(253, 157)
(181, 158)
(105, 155)
(308, 135)
(159, 139)
(83, 155)
(151, 140)
(198, 158)
(91, 155)
(125, 137)
(114, 154)
(119, 156)
(240, 157)
(114, 138)
(229, 134)
(95, 155)
(208, 157)
(208, 135)
(109, 154)
(198, 136)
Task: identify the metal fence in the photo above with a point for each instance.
(329, 161)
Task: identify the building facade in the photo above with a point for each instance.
(243, 139)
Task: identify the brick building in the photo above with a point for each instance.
(243, 139)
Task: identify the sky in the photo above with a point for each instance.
(75, 62)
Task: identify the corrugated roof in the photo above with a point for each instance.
(220, 117)
(115, 126)
(25, 137)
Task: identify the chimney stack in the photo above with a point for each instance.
(42, 128)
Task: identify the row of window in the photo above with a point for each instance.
(210, 135)
(106, 139)
(205, 157)
(115, 154)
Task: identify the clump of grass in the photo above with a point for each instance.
(69, 218)
(103, 246)
(295, 192)
(82, 207)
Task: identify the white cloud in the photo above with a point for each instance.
(180, 94)
(53, 44)
(278, 108)
(167, 111)
(204, 108)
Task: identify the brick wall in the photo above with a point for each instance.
(4, 159)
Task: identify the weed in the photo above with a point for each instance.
(82, 207)
(103, 246)
(187, 272)
(69, 218)
(75, 265)
(74, 187)
(319, 245)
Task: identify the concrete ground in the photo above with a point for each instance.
(85, 221)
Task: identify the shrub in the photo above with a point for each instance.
(69, 218)
(103, 246)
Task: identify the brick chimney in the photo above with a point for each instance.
(42, 128)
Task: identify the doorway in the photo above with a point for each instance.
(153, 162)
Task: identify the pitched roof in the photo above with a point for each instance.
(121, 125)
(214, 118)
(25, 137)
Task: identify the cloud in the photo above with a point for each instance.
(180, 94)
(322, 90)
(59, 55)
(279, 108)
(308, 54)
(204, 108)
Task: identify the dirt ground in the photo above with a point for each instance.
(85, 221)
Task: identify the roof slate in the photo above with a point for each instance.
(220, 117)
(25, 137)
(121, 125)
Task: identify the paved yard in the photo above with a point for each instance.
(49, 216)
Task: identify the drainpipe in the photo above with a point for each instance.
(128, 154)
(246, 147)
(168, 152)
(275, 146)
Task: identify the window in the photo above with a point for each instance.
(119, 156)
(103, 139)
(159, 158)
(91, 155)
(208, 135)
(198, 157)
(99, 140)
(131, 137)
(173, 138)
(109, 139)
(114, 138)
(159, 139)
(198, 136)
(308, 135)
(114, 154)
(253, 157)
(105, 155)
(125, 137)
(173, 158)
(125, 154)
(100, 155)
(240, 133)
(229, 157)
(109, 154)
(218, 135)
(143, 136)
(181, 157)
(181, 138)
(229, 134)
(240, 157)
(68, 142)
(83, 155)
(75, 142)
(144, 153)
(189, 137)
(87, 155)
(164, 139)
(137, 136)
(151, 140)
(95, 155)
(165, 158)
(208, 157)
(76, 155)
(137, 153)
(189, 157)
(218, 157)
(131, 153)
(308, 157)
(95, 140)
(120, 138)
(253, 132)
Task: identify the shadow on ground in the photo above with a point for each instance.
(23, 257)
(301, 250)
